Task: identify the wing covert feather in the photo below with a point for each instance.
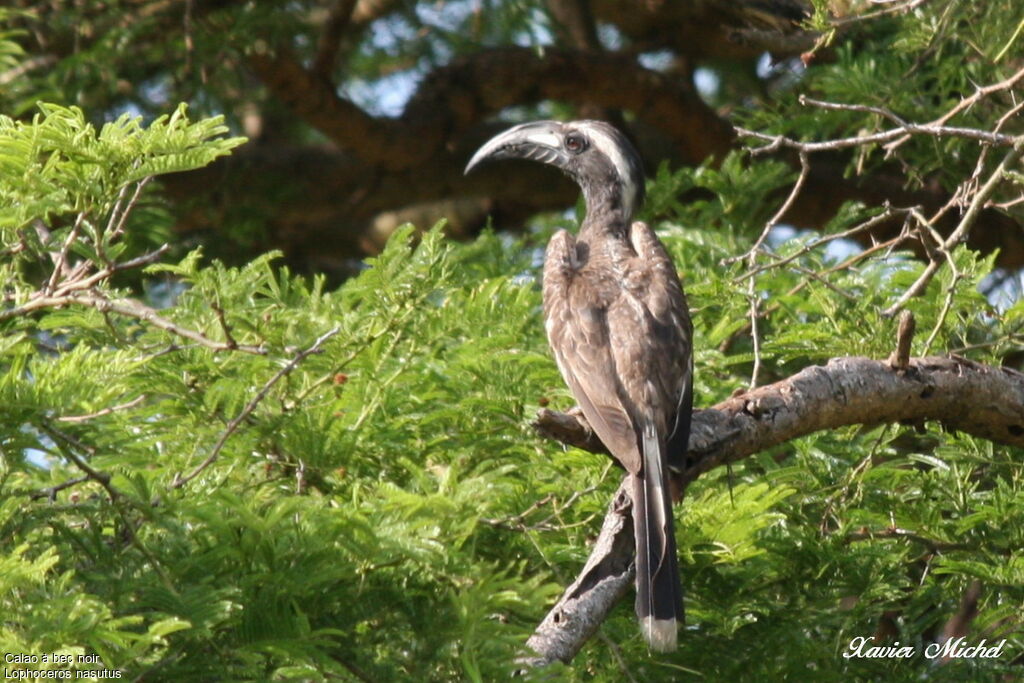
(579, 338)
(670, 338)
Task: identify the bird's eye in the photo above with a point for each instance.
(575, 143)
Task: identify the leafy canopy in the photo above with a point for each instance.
(234, 472)
(383, 511)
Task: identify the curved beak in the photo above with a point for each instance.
(538, 140)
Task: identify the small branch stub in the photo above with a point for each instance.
(900, 358)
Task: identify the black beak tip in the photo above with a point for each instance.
(481, 157)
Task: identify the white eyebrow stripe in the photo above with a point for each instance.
(610, 148)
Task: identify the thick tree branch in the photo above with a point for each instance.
(575, 24)
(313, 98)
(457, 97)
(741, 29)
(960, 394)
(382, 165)
(604, 580)
(329, 43)
(319, 203)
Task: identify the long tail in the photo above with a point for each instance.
(659, 594)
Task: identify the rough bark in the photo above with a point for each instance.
(457, 97)
(959, 394)
(605, 579)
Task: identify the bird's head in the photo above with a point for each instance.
(595, 154)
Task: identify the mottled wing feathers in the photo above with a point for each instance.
(672, 341)
(579, 337)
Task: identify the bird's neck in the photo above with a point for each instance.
(606, 214)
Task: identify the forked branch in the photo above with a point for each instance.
(845, 391)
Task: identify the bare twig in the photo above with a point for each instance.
(778, 141)
(896, 136)
(517, 522)
(963, 228)
(887, 246)
(101, 478)
(122, 215)
(393, 322)
(947, 303)
(847, 263)
(80, 283)
(869, 224)
(755, 303)
(50, 492)
(61, 260)
(1010, 113)
(130, 308)
(140, 311)
(164, 351)
(62, 283)
(115, 211)
(933, 242)
(819, 277)
(845, 490)
(978, 202)
(749, 256)
(224, 326)
(969, 102)
(894, 8)
(232, 426)
(864, 108)
(775, 142)
(105, 411)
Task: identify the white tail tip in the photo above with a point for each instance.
(660, 634)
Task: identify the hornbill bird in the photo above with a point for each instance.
(618, 323)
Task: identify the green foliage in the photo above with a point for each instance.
(380, 508)
(918, 65)
(58, 164)
(365, 518)
(354, 483)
